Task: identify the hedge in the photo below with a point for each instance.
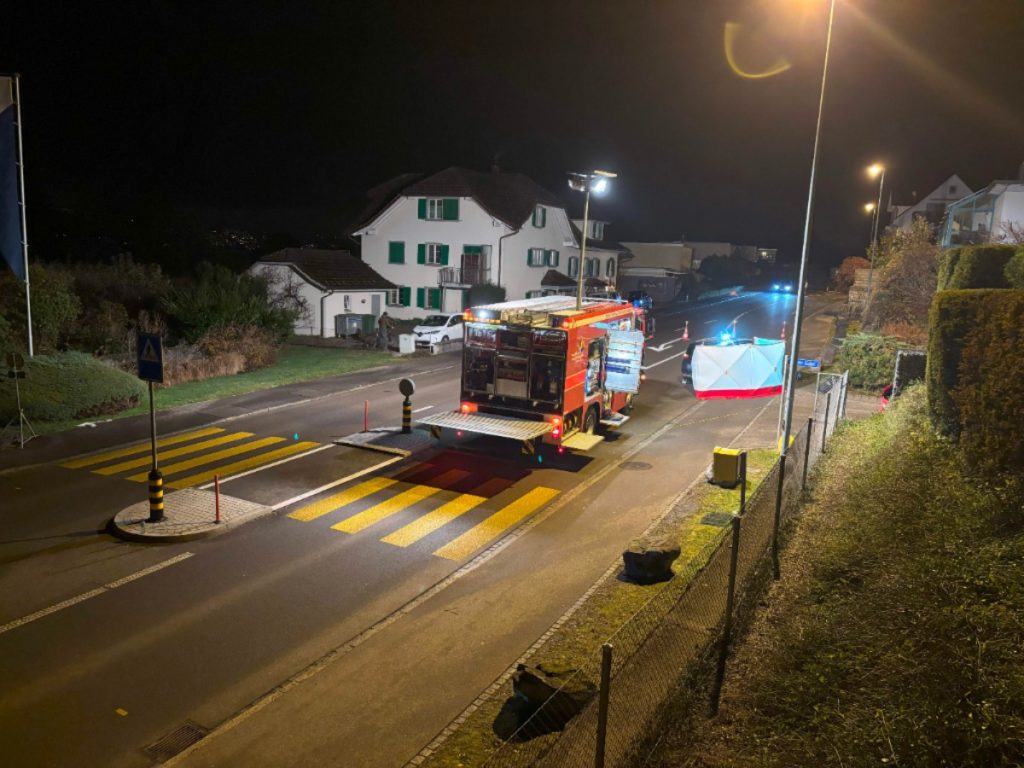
(990, 389)
(870, 359)
(69, 385)
(1014, 271)
(975, 266)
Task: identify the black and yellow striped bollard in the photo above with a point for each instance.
(407, 387)
(156, 496)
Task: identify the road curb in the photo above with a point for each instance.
(130, 523)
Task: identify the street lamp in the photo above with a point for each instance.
(596, 182)
(795, 348)
(876, 170)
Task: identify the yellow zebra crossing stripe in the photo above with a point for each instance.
(492, 527)
(240, 466)
(431, 521)
(378, 512)
(181, 466)
(124, 466)
(140, 448)
(341, 499)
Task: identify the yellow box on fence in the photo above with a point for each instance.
(778, 447)
(725, 467)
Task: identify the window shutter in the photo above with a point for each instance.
(421, 254)
(435, 298)
(444, 255)
(451, 209)
(396, 253)
(404, 297)
(543, 216)
(574, 265)
(551, 257)
(420, 297)
(421, 208)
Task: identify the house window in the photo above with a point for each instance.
(396, 252)
(609, 269)
(536, 257)
(540, 216)
(439, 208)
(428, 298)
(599, 230)
(952, 189)
(348, 303)
(435, 254)
(551, 258)
(592, 269)
(534, 294)
(394, 297)
(574, 266)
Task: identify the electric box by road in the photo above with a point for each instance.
(725, 467)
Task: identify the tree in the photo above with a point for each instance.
(55, 307)
(906, 283)
(847, 271)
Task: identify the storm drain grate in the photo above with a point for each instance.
(717, 519)
(176, 741)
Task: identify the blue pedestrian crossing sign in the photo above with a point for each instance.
(808, 362)
(150, 355)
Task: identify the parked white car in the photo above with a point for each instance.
(438, 329)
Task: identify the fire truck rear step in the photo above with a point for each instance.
(582, 441)
(498, 426)
(613, 420)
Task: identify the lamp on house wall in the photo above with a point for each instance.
(596, 182)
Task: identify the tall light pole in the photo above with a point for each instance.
(593, 181)
(798, 320)
(875, 170)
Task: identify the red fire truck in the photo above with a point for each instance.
(543, 372)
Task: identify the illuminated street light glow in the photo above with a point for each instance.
(597, 182)
(869, 207)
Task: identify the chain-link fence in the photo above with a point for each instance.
(602, 713)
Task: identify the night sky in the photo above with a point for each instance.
(281, 116)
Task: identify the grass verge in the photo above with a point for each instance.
(294, 364)
(895, 635)
(577, 643)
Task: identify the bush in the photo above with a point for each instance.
(70, 385)
(55, 307)
(219, 299)
(976, 266)
(256, 345)
(990, 387)
(870, 359)
(1014, 270)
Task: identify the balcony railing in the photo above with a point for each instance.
(451, 276)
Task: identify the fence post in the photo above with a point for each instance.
(807, 450)
(723, 650)
(743, 483)
(216, 497)
(846, 386)
(366, 415)
(602, 704)
(824, 423)
(778, 517)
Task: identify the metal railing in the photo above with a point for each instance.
(462, 275)
(668, 647)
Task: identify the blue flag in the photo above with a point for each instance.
(10, 216)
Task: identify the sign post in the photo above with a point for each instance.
(150, 355)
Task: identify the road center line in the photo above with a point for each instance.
(670, 357)
(335, 483)
(93, 593)
(223, 480)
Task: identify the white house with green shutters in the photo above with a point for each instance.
(438, 236)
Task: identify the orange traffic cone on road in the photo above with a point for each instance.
(686, 331)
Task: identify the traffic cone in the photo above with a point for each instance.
(783, 330)
(686, 331)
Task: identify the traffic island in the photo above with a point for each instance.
(389, 440)
(188, 514)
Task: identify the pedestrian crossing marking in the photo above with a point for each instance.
(181, 466)
(431, 521)
(139, 448)
(124, 466)
(493, 526)
(239, 466)
(341, 499)
(385, 509)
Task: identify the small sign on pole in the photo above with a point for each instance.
(809, 362)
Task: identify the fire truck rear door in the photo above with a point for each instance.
(625, 349)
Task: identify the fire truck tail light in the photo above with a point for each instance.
(556, 432)
(468, 408)
(556, 420)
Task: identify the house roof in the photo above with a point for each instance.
(330, 270)
(508, 197)
(595, 244)
(555, 279)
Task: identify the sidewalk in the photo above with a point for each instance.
(109, 434)
(188, 514)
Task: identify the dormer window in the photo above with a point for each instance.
(598, 233)
(540, 216)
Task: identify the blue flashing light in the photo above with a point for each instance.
(776, 287)
(726, 337)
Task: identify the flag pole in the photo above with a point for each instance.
(16, 79)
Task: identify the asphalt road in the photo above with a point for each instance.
(420, 581)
